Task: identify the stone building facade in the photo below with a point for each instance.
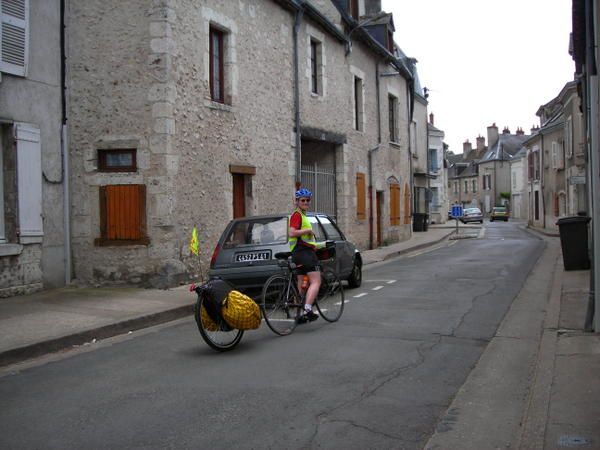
(188, 113)
(32, 170)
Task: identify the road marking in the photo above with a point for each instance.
(391, 282)
(376, 288)
(362, 294)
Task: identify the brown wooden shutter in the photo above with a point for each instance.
(123, 212)
(361, 199)
(394, 204)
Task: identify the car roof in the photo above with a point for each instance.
(275, 216)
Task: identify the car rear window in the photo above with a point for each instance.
(500, 209)
(258, 231)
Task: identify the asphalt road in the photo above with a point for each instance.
(379, 378)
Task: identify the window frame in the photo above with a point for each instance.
(393, 117)
(217, 91)
(316, 72)
(358, 104)
(102, 160)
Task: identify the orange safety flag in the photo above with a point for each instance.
(194, 242)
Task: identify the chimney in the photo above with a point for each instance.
(520, 131)
(467, 148)
(431, 118)
(534, 129)
(492, 135)
(372, 7)
(480, 143)
(505, 130)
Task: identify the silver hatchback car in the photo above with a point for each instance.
(245, 253)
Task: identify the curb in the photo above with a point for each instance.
(54, 345)
(395, 253)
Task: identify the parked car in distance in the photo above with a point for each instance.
(499, 213)
(245, 253)
(472, 215)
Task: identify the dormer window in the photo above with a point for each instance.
(390, 41)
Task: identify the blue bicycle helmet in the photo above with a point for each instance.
(303, 192)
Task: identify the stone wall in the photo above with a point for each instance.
(139, 76)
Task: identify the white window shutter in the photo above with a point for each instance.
(29, 183)
(14, 36)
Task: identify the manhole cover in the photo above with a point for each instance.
(572, 441)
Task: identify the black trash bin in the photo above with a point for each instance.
(574, 242)
(419, 221)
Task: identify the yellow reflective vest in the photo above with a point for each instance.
(307, 238)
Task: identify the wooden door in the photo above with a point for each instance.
(378, 210)
(239, 195)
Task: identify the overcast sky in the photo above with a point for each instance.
(485, 61)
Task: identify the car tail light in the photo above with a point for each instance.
(213, 259)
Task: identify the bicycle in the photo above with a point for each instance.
(282, 303)
(213, 328)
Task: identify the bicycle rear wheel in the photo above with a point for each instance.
(218, 335)
(280, 305)
(330, 300)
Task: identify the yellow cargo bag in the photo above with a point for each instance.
(207, 322)
(240, 311)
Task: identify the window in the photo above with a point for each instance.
(536, 165)
(361, 199)
(433, 162)
(487, 182)
(394, 204)
(14, 36)
(456, 187)
(390, 41)
(393, 107)
(558, 157)
(569, 137)
(358, 104)
(316, 71)
(217, 56)
(117, 160)
(466, 187)
(122, 215)
(20, 184)
(474, 186)
(514, 180)
(331, 230)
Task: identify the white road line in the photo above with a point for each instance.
(391, 282)
(376, 288)
(362, 294)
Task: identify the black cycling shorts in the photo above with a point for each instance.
(306, 259)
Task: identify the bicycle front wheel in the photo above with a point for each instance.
(330, 300)
(280, 304)
(218, 335)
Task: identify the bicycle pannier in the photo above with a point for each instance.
(240, 311)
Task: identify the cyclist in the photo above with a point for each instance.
(303, 247)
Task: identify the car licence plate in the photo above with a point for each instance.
(253, 256)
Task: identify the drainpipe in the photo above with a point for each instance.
(542, 163)
(370, 158)
(297, 22)
(65, 148)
